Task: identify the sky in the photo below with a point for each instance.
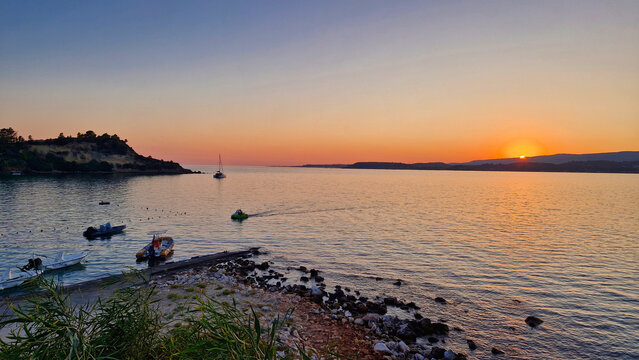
(296, 82)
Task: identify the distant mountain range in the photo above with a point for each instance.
(613, 162)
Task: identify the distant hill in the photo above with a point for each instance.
(617, 162)
(84, 153)
(620, 156)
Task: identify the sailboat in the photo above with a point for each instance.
(219, 174)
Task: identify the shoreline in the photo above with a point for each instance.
(338, 321)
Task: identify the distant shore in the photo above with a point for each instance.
(625, 167)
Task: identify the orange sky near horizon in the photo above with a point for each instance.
(296, 83)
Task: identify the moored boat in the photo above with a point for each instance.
(103, 230)
(219, 174)
(160, 247)
(12, 278)
(63, 260)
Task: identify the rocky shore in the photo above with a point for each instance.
(331, 322)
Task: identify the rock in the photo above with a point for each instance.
(265, 308)
(437, 352)
(359, 321)
(406, 333)
(390, 301)
(449, 355)
(460, 356)
(432, 339)
(371, 317)
(403, 347)
(263, 266)
(314, 273)
(304, 279)
(315, 291)
(496, 351)
(398, 282)
(418, 316)
(418, 356)
(392, 345)
(319, 279)
(533, 321)
(440, 329)
(471, 344)
(378, 278)
(382, 348)
(440, 300)
(303, 269)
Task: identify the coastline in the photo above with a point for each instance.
(337, 323)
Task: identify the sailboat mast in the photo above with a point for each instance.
(219, 164)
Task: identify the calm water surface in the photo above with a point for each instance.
(498, 246)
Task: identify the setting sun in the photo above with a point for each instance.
(522, 156)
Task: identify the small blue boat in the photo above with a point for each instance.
(103, 231)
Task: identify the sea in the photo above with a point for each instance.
(497, 246)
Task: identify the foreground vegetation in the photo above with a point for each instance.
(128, 325)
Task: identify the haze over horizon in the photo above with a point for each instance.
(290, 83)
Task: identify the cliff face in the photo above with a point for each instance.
(86, 153)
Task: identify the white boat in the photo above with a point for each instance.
(219, 174)
(12, 278)
(62, 260)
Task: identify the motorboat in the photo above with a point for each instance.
(160, 247)
(239, 215)
(12, 278)
(103, 230)
(62, 260)
(219, 174)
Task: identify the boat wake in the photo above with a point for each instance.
(297, 212)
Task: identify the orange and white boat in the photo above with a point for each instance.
(160, 247)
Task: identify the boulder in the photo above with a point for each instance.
(406, 333)
(533, 321)
(437, 352)
(496, 351)
(471, 344)
(440, 300)
(390, 301)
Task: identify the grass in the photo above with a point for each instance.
(173, 296)
(128, 325)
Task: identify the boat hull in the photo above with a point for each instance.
(69, 260)
(17, 280)
(165, 252)
(96, 234)
(239, 217)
